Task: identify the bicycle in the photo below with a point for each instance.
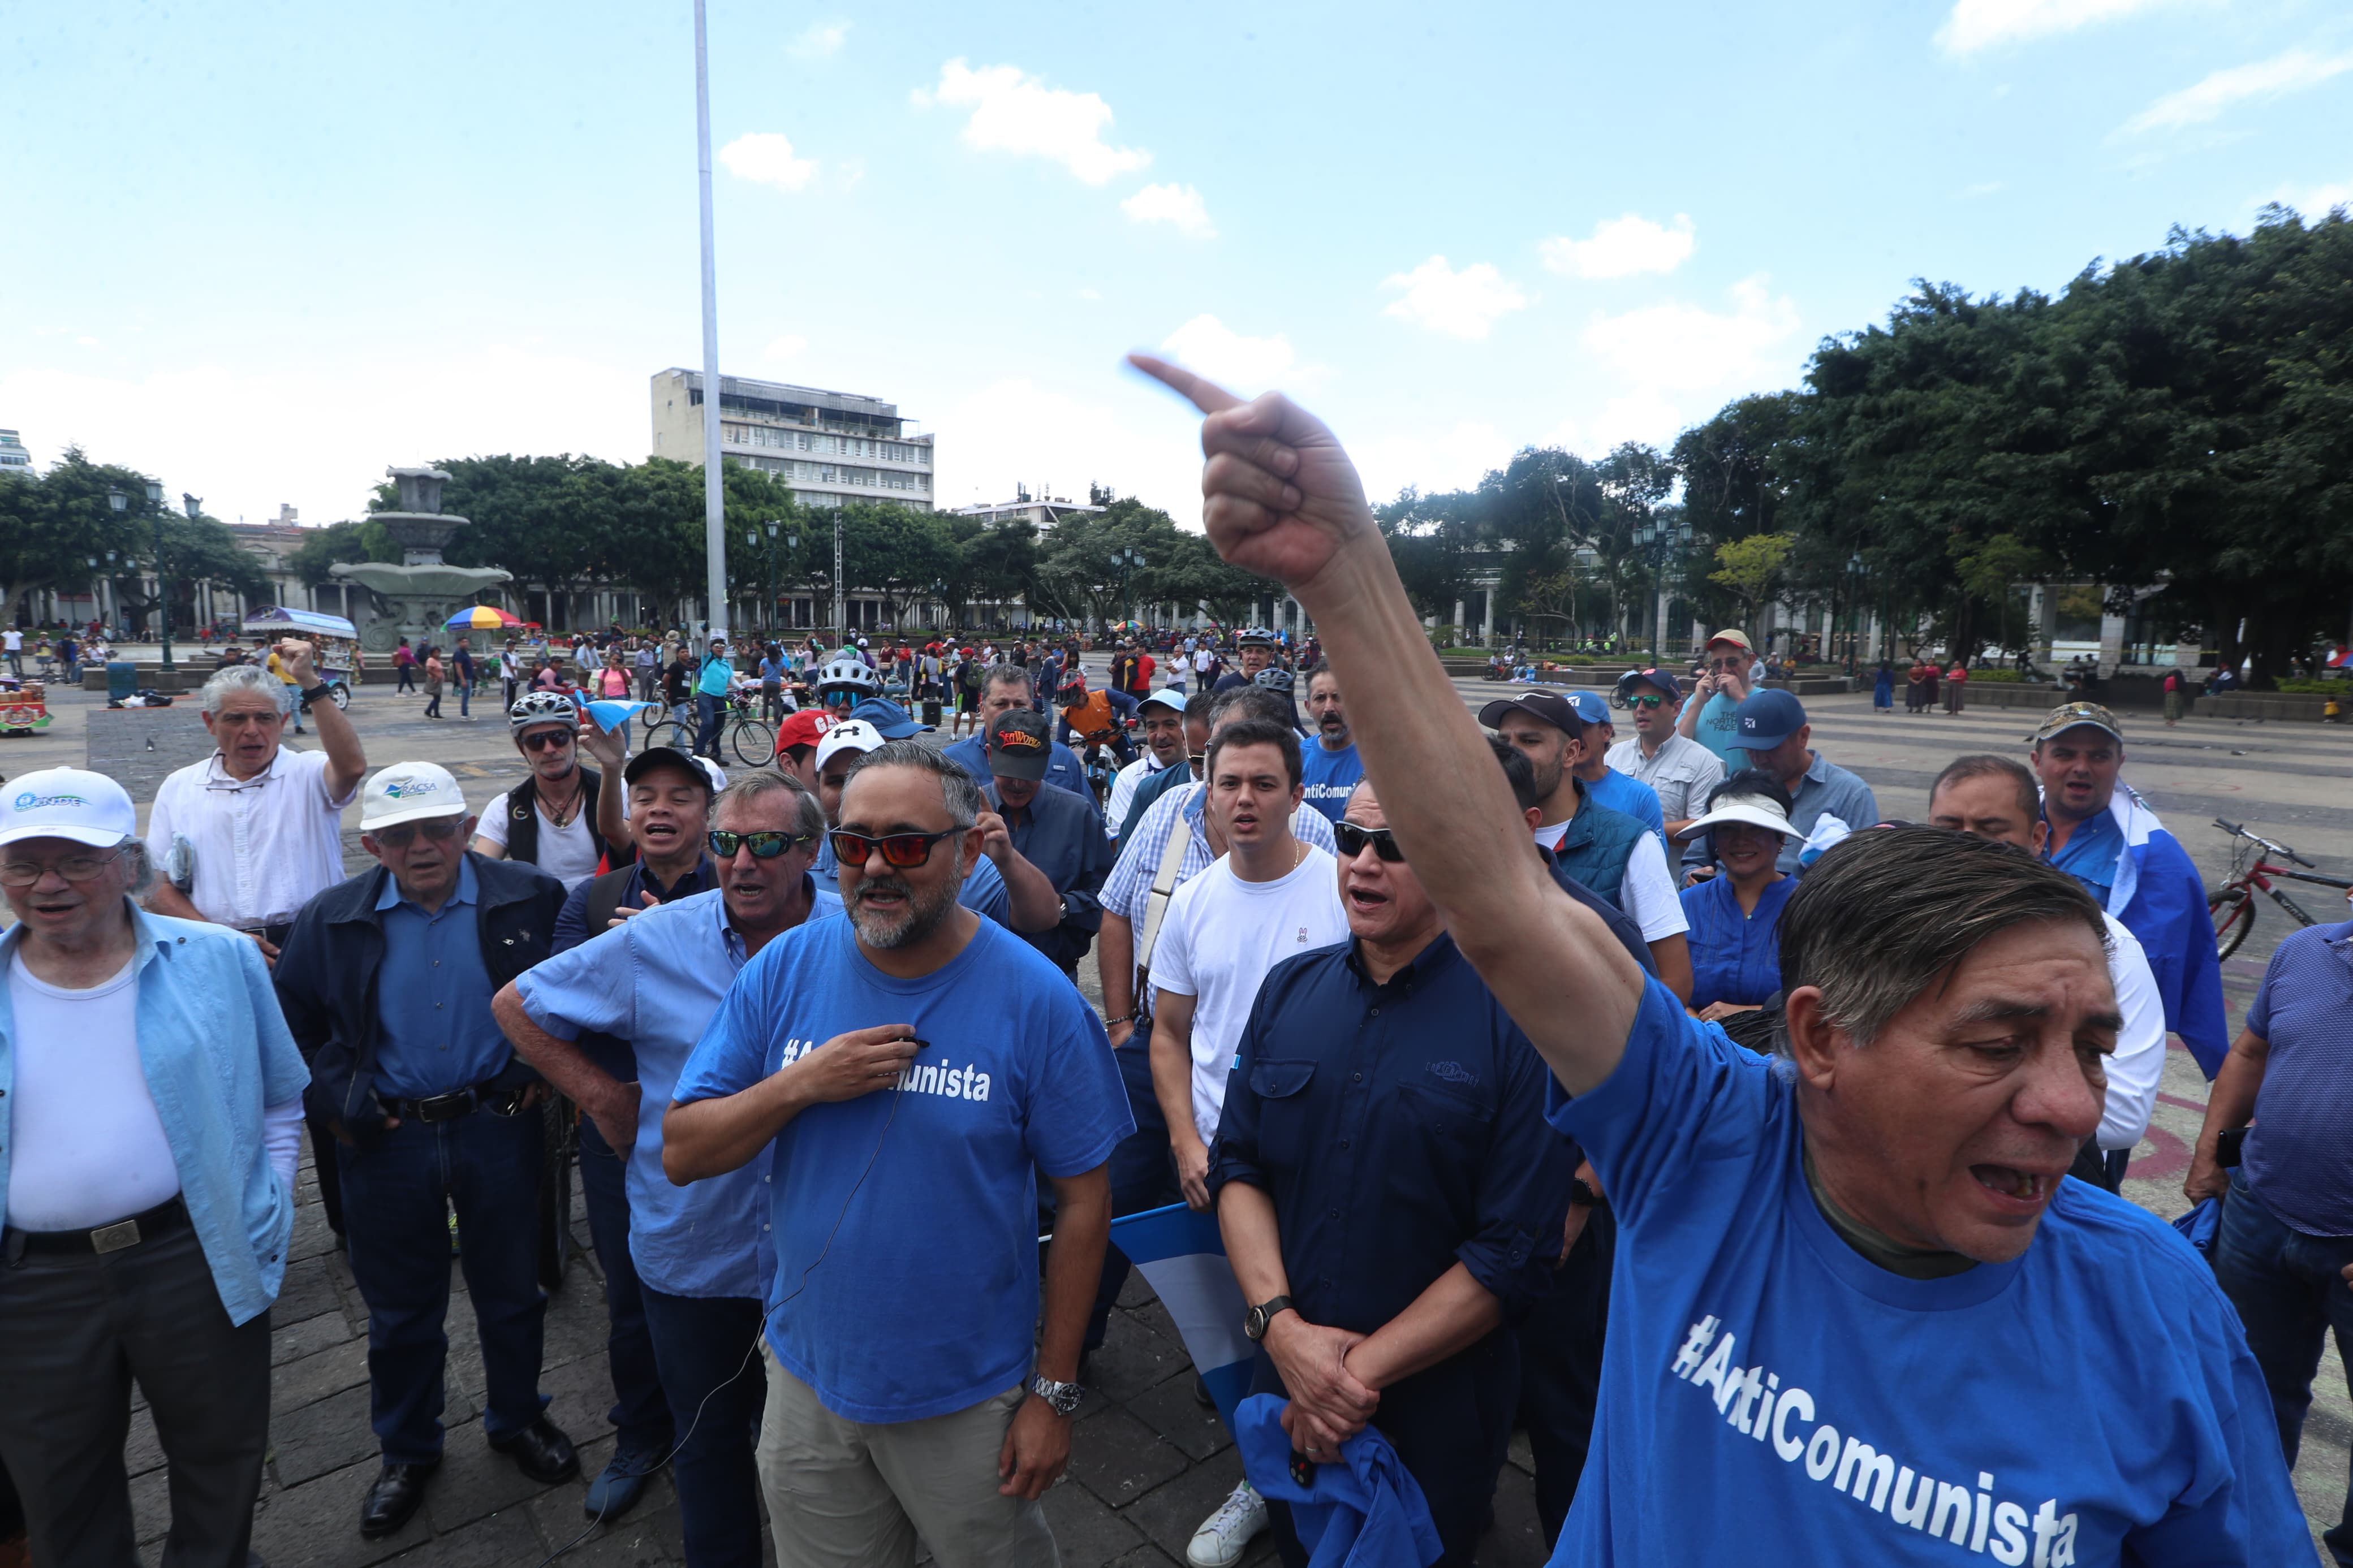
(2232, 906)
(751, 738)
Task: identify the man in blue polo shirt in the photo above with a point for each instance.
(1859, 1305)
(2107, 837)
(2286, 1235)
(1005, 688)
(902, 1077)
(1608, 786)
(701, 1259)
(1775, 738)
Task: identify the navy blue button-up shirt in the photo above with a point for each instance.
(1061, 835)
(433, 996)
(1399, 1130)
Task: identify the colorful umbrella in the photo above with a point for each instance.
(480, 618)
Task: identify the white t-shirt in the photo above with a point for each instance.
(1647, 894)
(89, 1149)
(2139, 1061)
(262, 848)
(12, 641)
(1218, 939)
(565, 853)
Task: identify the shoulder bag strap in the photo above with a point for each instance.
(1163, 888)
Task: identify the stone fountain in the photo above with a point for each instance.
(417, 596)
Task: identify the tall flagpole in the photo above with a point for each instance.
(714, 480)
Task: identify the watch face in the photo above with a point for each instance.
(1254, 1322)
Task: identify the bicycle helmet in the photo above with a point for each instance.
(1274, 677)
(543, 708)
(846, 670)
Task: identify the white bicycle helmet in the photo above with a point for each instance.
(846, 670)
(543, 708)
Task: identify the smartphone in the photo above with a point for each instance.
(2230, 1146)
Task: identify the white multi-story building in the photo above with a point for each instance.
(14, 458)
(830, 447)
(1041, 511)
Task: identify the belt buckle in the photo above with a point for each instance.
(114, 1237)
(445, 1107)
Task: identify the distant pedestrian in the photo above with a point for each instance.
(1956, 684)
(2173, 698)
(433, 674)
(1882, 688)
(404, 662)
(462, 666)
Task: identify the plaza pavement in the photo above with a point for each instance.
(1146, 1463)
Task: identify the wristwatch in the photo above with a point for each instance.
(319, 693)
(1062, 1396)
(1255, 1320)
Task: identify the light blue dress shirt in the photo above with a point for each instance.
(655, 982)
(433, 1029)
(215, 1050)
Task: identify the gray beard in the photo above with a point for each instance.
(921, 916)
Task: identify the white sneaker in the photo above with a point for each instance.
(1218, 1542)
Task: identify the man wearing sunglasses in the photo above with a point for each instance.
(900, 1078)
(1725, 666)
(386, 983)
(1002, 887)
(561, 818)
(691, 1255)
(1679, 770)
(1050, 831)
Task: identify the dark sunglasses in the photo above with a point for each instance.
(439, 829)
(546, 740)
(765, 846)
(899, 849)
(1352, 840)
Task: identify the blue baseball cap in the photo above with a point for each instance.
(1765, 719)
(888, 718)
(1591, 706)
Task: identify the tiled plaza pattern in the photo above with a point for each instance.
(1147, 1463)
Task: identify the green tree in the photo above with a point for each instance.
(1750, 568)
(324, 548)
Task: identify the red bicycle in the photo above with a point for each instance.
(2232, 905)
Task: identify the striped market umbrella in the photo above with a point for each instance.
(480, 618)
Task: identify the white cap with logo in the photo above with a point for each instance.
(849, 735)
(66, 802)
(406, 791)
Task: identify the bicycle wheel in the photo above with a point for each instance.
(753, 741)
(2233, 914)
(668, 733)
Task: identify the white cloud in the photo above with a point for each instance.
(1460, 304)
(1016, 113)
(2315, 201)
(1178, 204)
(783, 350)
(2293, 71)
(765, 158)
(320, 434)
(1018, 430)
(1622, 247)
(820, 41)
(1684, 347)
(1432, 460)
(1241, 364)
(1981, 24)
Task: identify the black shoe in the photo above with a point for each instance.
(393, 1500)
(541, 1452)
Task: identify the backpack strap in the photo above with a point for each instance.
(1163, 888)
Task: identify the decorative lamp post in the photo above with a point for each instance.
(1853, 611)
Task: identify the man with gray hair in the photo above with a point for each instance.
(655, 981)
(150, 1113)
(1866, 1302)
(261, 823)
(892, 1416)
(1003, 689)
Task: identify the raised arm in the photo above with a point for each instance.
(1283, 500)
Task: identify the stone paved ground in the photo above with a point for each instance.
(1147, 1463)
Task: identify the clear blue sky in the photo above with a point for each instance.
(262, 250)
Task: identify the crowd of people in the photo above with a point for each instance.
(1657, 1095)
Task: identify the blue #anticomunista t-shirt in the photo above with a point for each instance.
(1329, 776)
(2091, 1402)
(926, 1297)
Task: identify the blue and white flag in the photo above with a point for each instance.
(1184, 1259)
(611, 714)
(2159, 895)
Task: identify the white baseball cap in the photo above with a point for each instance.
(66, 802)
(1168, 698)
(849, 735)
(406, 791)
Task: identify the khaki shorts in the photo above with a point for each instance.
(852, 1494)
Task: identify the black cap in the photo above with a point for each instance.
(654, 757)
(1549, 706)
(1021, 746)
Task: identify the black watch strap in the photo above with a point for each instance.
(1257, 1319)
(319, 693)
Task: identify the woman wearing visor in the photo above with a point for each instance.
(1736, 915)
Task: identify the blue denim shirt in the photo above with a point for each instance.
(215, 1050)
(656, 983)
(433, 996)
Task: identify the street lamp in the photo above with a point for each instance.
(1853, 611)
(1124, 563)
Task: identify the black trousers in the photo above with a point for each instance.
(1452, 1425)
(75, 1330)
(1560, 1369)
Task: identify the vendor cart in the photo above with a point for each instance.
(335, 639)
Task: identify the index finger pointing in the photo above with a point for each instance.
(1204, 393)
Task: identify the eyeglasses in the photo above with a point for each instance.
(1652, 700)
(1727, 664)
(765, 846)
(546, 740)
(439, 830)
(1352, 840)
(899, 849)
(73, 868)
